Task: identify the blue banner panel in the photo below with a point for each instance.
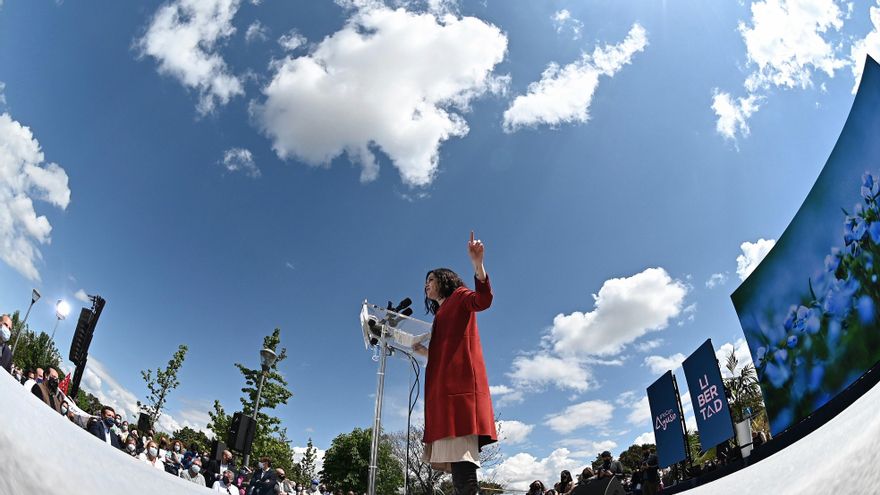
(707, 396)
(811, 310)
(667, 420)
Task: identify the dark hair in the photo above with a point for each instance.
(447, 282)
(564, 481)
(106, 408)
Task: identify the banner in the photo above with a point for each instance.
(667, 420)
(707, 396)
(810, 311)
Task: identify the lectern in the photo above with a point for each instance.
(387, 333)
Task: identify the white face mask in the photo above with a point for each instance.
(6, 333)
(196, 468)
(130, 447)
(64, 410)
(153, 451)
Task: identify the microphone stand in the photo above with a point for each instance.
(384, 352)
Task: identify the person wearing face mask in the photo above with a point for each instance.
(5, 335)
(102, 428)
(226, 484)
(151, 456)
(214, 469)
(131, 447)
(48, 391)
(264, 480)
(194, 474)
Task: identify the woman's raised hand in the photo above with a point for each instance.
(475, 252)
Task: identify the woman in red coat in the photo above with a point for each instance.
(458, 409)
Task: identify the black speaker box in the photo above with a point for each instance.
(144, 423)
(241, 433)
(217, 448)
(605, 486)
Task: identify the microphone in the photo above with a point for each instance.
(403, 305)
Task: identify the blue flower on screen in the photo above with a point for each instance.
(869, 186)
(816, 375)
(865, 307)
(792, 341)
(874, 232)
(778, 374)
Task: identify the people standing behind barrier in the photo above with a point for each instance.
(566, 483)
(214, 469)
(609, 468)
(263, 481)
(150, 455)
(131, 447)
(284, 485)
(226, 483)
(536, 488)
(101, 428)
(5, 335)
(48, 390)
(193, 473)
(163, 448)
(650, 471)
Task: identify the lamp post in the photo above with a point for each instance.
(267, 359)
(35, 296)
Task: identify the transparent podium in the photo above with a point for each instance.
(388, 332)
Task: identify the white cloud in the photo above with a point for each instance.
(2, 87)
(540, 370)
(648, 345)
(291, 40)
(24, 177)
(661, 364)
(240, 160)
(518, 470)
(786, 42)
(625, 309)
(183, 37)
(513, 432)
(733, 115)
(389, 80)
(647, 437)
(641, 412)
(256, 31)
(82, 296)
(716, 279)
(869, 45)
(752, 254)
(500, 390)
(587, 448)
(742, 353)
(563, 95)
(588, 413)
(563, 21)
(98, 380)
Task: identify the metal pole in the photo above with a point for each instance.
(377, 423)
(52, 339)
(247, 456)
(21, 327)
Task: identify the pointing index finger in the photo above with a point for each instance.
(472, 237)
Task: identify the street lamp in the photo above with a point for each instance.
(35, 296)
(62, 309)
(267, 359)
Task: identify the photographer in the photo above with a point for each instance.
(609, 468)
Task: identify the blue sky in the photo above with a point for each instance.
(225, 167)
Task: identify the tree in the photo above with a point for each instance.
(632, 457)
(347, 463)
(191, 437)
(270, 439)
(32, 350)
(88, 402)
(165, 381)
(744, 393)
(306, 466)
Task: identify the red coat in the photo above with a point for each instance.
(457, 401)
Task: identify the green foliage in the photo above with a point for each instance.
(305, 469)
(165, 381)
(32, 350)
(194, 440)
(694, 446)
(743, 389)
(347, 463)
(87, 402)
(270, 439)
(631, 458)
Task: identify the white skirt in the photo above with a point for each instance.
(442, 453)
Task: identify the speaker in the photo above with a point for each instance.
(605, 486)
(217, 448)
(144, 423)
(241, 432)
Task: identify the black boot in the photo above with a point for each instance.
(464, 478)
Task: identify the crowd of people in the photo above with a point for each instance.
(643, 481)
(173, 456)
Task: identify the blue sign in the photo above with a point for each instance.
(707, 395)
(667, 420)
